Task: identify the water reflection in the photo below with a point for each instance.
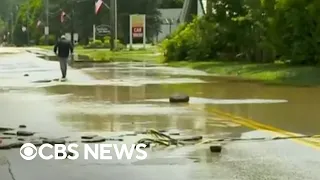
(295, 105)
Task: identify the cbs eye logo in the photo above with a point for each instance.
(28, 151)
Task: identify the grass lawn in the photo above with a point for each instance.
(269, 73)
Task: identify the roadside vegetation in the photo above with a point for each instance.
(267, 40)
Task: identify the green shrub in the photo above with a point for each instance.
(120, 46)
(104, 44)
(52, 40)
(95, 44)
(106, 39)
(189, 42)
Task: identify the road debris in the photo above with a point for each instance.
(179, 98)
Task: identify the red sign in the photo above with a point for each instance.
(137, 32)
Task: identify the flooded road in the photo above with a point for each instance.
(119, 98)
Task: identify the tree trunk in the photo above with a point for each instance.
(209, 7)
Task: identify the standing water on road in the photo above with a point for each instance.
(118, 99)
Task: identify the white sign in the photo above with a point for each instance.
(137, 32)
(68, 36)
(24, 28)
(137, 28)
(28, 151)
(75, 37)
(46, 30)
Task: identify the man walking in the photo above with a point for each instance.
(64, 47)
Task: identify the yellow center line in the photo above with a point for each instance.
(256, 125)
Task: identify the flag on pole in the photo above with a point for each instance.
(98, 6)
(63, 14)
(38, 23)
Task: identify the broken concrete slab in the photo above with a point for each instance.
(216, 148)
(37, 143)
(114, 139)
(12, 133)
(10, 145)
(25, 133)
(191, 138)
(22, 126)
(88, 136)
(96, 139)
(54, 141)
(6, 129)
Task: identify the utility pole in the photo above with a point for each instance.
(27, 25)
(112, 24)
(13, 17)
(47, 23)
(116, 23)
(72, 24)
(170, 25)
(11, 29)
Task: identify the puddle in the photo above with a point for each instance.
(32, 96)
(121, 109)
(78, 82)
(156, 69)
(75, 58)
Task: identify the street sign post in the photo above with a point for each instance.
(46, 30)
(138, 28)
(75, 38)
(68, 36)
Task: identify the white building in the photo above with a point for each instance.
(170, 18)
(175, 16)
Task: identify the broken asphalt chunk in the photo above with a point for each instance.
(114, 139)
(25, 133)
(5, 129)
(174, 134)
(67, 152)
(16, 144)
(22, 126)
(54, 141)
(37, 143)
(5, 146)
(216, 148)
(5, 137)
(12, 133)
(191, 138)
(88, 136)
(96, 139)
(10, 145)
